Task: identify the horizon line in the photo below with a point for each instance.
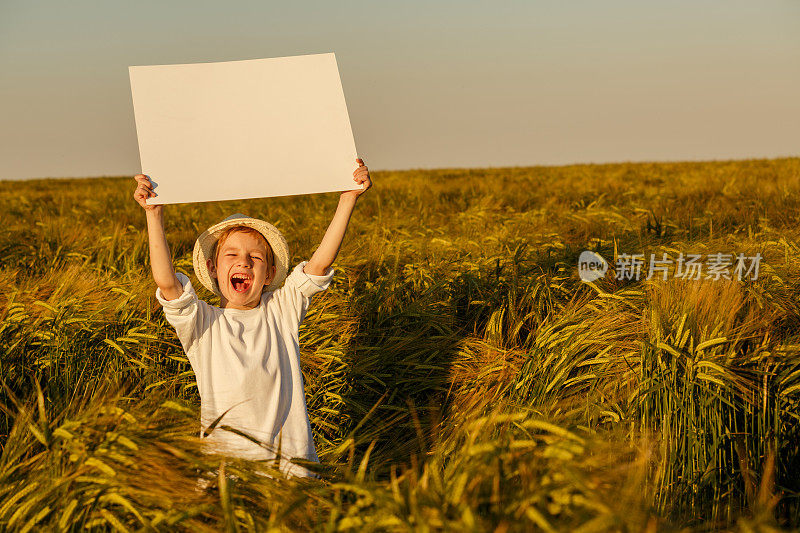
(429, 169)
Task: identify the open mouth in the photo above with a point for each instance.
(241, 282)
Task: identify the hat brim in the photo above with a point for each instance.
(204, 245)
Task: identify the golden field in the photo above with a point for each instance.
(459, 375)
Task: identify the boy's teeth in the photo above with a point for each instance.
(240, 283)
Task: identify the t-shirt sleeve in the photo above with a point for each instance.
(295, 295)
(184, 313)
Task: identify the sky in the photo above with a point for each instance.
(438, 84)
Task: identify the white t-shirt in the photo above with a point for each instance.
(248, 361)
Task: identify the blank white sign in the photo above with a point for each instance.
(243, 129)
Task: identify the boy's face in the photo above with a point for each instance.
(241, 270)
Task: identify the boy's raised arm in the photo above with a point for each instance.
(160, 260)
(329, 247)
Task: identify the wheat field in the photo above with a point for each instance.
(459, 374)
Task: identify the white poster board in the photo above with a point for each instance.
(243, 129)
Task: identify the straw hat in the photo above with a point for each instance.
(205, 243)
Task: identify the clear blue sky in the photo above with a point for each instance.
(428, 84)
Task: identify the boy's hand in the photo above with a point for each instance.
(360, 175)
(144, 190)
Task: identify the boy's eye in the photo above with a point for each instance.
(255, 257)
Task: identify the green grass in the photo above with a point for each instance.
(459, 375)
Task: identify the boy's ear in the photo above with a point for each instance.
(211, 269)
(271, 276)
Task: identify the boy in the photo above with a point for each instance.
(245, 353)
